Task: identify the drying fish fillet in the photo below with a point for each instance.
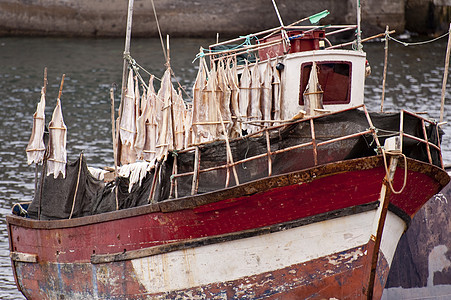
(200, 133)
(36, 147)
(57, 143)
(149, 150)
(223, 98)
(128, 116)
(164, 142)
(141, 127)
(188, 128)
(179, 110)
(245, 95)
(313, 95)
(266, 95)
(211, 104)
(254, 110)
(276, 95)
(135, 172)
(235, 90)
(127, 128)
(97, 173)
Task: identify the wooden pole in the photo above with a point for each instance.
(36, 164)
(124, 69)
(382, 211)
(113, 133)
(359, 32)
(61, 86)
(385, 68)
(445, 75)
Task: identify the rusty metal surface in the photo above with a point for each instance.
(338, 276)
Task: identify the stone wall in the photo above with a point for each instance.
(428, 17)
(184, 17)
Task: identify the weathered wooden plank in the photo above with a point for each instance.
(24, 257)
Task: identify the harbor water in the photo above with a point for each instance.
(92, 66)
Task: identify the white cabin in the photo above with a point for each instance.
(341, 76)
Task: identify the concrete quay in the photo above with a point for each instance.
(203, 18)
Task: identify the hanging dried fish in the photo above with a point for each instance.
(199, 113)
(127, 125)
(128, 116)
(211, 104)
(235, 90)
(245, 95)
(255, 113)
(149, 150)
(223, 98)
(179, 120)
(188, 128)
(165, 140)
(266, 95)
(141, 124)
(36, 147)
(276, 95)
(57, 143)
(313, 94)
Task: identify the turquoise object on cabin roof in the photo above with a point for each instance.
(316, 17)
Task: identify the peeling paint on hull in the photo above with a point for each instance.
(284, 242)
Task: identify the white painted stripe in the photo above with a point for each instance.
(394, 228)
(246, 257)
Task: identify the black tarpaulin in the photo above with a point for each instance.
(57, 195)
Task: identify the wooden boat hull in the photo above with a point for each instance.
(297, 235)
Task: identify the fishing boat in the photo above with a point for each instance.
(276, 182)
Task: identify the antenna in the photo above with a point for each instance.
(359, 33)
(283, 31)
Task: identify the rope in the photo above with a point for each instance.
(159, 31)
(384, 155)
(76, 187)
(247, 42)
(136, 67)
(416, 43)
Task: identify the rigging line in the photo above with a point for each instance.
(136, 67)
(417, 43)
(180, 86)
(159, 31)
(134, 64)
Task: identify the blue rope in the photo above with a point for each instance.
(247, 42)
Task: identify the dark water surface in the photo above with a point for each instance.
(414, 82)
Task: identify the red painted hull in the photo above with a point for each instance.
(65, 248)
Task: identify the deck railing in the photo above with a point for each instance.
(231, 164)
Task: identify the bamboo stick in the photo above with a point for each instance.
(228, 149)
(113, 133)
(36, 164)
(268, 149)
(77, 185)
(124, 69)
(154, 183)
(195, 172)
(385, 68)
(61, 86)
(445, 76)
(362, 41)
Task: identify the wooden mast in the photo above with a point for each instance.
(124, 73)
(445, 76)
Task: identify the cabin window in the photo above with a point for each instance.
(334, 78)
